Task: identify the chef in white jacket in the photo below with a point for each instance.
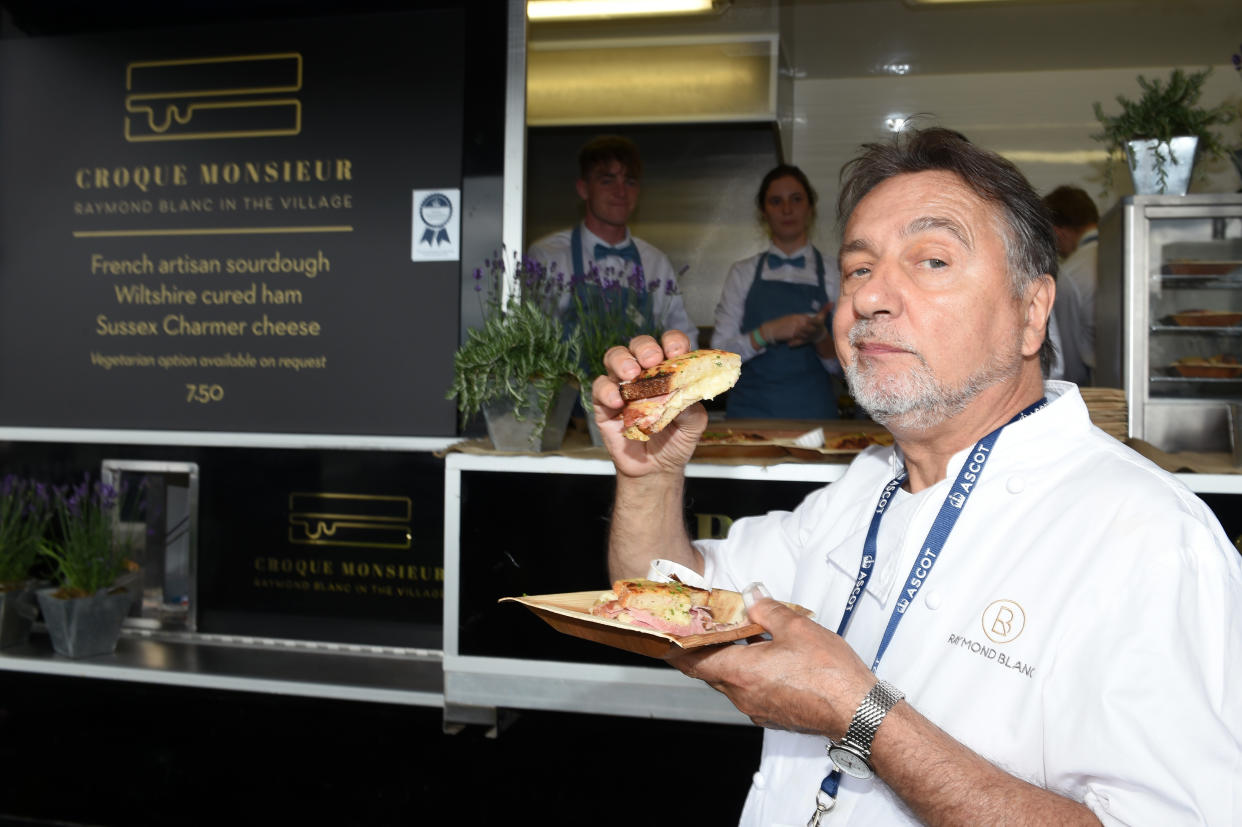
(1016, 618)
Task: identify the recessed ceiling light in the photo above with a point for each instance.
(579, 9)
(896, 123)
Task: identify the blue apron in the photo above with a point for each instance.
(783, 382)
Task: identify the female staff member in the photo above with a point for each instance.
(774, 311)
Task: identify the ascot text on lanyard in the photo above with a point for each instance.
(950, 510)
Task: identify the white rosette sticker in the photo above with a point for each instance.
(436, 232)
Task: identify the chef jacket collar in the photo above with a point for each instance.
(1065, 407)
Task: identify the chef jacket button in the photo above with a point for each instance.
(1015, 485)
(933, 600)
(759, 781)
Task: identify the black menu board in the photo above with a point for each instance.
(210, 229)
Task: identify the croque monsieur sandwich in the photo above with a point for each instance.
(674, 608)
(660, 393)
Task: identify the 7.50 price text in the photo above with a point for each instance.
(203, 393)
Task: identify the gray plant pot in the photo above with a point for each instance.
(509, 433)
(1179, 162)
(84, 626)
(18, 609)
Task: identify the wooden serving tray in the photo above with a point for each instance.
(841, 439)
(570, 613)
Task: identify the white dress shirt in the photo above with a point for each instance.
(1075, 308)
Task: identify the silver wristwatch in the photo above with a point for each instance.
(851, 753)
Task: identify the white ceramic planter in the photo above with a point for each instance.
(1145, 167)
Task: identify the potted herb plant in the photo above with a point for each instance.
(24, 512)
(86, 607)
(521, 368)
(1162, 131)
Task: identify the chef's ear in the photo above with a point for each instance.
(1039, 297)
(581, 186)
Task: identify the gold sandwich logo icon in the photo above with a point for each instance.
(239, 96)
(355, 520)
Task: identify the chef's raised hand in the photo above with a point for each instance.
(671, 448)
(805, 679)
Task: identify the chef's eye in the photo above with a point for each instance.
(935, 263)
(858, 272)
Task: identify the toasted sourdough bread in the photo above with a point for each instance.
(660, 393)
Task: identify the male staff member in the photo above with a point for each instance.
(609, 170)
(1017, 619)
(1075, 221)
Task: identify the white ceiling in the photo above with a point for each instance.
(851, 38)
(857, 38)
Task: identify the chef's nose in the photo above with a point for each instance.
(879, 291)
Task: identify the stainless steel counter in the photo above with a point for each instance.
(340, 672)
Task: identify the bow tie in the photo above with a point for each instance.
(629, 252)
(775, 261)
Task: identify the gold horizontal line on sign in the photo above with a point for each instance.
(341, 228)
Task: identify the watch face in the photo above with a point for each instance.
(850, 762)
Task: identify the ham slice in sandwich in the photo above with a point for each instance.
(673, 608)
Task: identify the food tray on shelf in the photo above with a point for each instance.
(1200, 269)
(1206, 318)
(1211, 370)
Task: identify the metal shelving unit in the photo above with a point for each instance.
(1161, 256)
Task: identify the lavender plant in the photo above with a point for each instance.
(610, 308)
(85, 553)
(25, 508)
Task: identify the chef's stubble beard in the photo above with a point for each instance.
(919, 401)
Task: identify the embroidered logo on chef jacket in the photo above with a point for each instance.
(1002, 621)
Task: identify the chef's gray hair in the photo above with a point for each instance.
(1030, 244)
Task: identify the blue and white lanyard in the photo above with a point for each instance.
(950, 510)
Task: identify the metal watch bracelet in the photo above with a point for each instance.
(870, 714)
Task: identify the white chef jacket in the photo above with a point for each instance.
(1081, 628)
(1074, 308)
(727, 334)
(554, 252)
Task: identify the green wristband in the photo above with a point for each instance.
(757, 338)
